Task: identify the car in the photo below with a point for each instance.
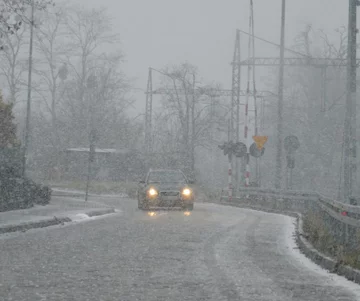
(165, 188)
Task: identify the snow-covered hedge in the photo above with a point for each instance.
(15, 191)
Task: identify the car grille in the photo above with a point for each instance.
(169, 193)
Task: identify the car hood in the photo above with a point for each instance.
(168, 186)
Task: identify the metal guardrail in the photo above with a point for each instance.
(300, 195)
(343, 220)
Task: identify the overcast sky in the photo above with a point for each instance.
(160, 32)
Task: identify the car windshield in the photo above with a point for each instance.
(166, 177)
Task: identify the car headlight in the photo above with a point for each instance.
(152, 192)
(186, 192)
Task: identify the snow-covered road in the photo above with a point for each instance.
(215, 253)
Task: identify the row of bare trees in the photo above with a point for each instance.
(78, 86)
(314, 111)
(76, 75)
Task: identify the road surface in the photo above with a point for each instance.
(215, 253)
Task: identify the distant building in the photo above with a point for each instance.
(108, 165)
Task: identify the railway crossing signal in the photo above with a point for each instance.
(255, 151)
(230, 148)
(239, 149)
(290, 160)
(260, 141)
(291, 144)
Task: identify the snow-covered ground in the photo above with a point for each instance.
(213, 253)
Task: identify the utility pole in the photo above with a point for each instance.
(187, 130)
(28, 104)
(257, 160)
(193, 125)
(230, 181)
(213, 161)
(350, 115)
(235, 102)
(148, 114)
(278, 176)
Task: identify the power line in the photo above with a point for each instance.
(274, 44)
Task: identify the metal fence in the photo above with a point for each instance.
(342, 220)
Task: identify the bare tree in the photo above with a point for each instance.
(13, 64)
(178, 103)
(318, 125)
(13, 14)
(80, 84)
(189, 117)
(88, 36)
(51, 65)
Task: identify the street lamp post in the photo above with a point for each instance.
(91, 82)
(28, 104)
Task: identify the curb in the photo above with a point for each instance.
(64, 193)
(50, 221)
(72, 195)
(69, 194)
(305, 246)
(100, 212)
(32, 225)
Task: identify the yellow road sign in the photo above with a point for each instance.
(260, 141)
